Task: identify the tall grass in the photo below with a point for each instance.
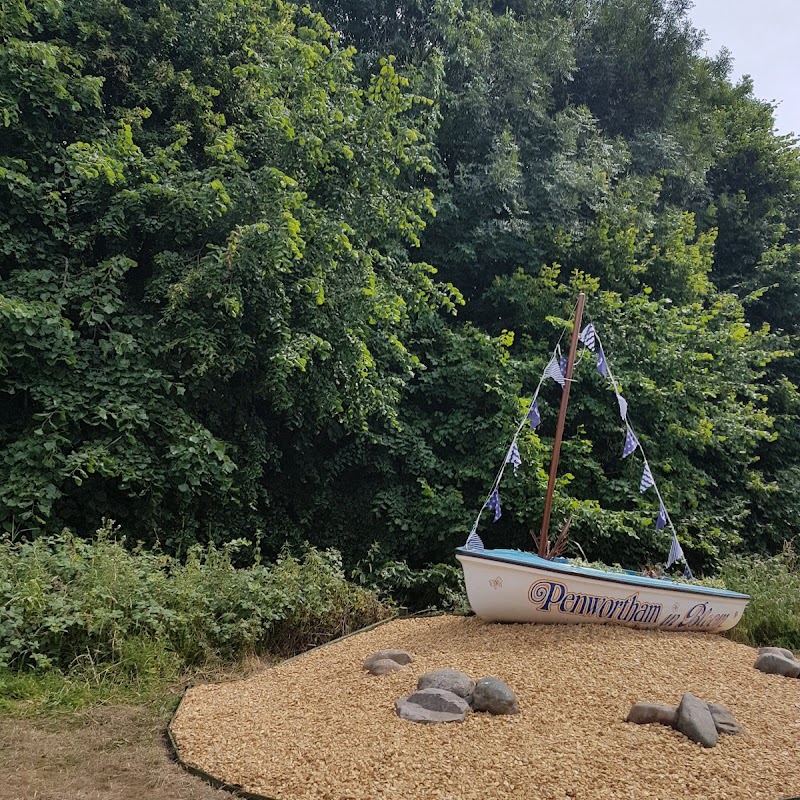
(773, 615)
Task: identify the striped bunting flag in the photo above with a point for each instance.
(588, 337)
(687, 573)
(647, 479)
(493, 504)
(474, 542)
(675, 552)
(661, 519)
(513, 457)
(631, 443)
(602, 367)
(533, 415)
(553, 370)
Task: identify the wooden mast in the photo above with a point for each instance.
(544, 535)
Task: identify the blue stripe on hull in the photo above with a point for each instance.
(628, 578)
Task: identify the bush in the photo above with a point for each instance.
(773, 615)
(67, 602)
(436, 586)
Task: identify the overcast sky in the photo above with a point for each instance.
(764, 39)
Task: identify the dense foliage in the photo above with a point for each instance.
(65, 602)
(772, 617)
(221, 225)
(203, 262)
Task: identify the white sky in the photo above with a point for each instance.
(764, 39)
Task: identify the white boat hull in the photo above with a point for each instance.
(500, 590)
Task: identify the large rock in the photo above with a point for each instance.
(695, 721)
(383, 666)
(775, 664)
(451, 680)
(432, 705)
(646, 713)
(780, 651)
(724, 720)
(494, 696)
(399, 657)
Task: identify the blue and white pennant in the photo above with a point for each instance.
(647, 480)
(474, 542)
(553, 370)
(602, 366)
(623, 405)
(588, 337)
(513, 457)
(493, 504)
(631, 443)
(533, 415)
(675, 552)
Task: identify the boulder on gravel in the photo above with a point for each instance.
(451, 680)
(400, 657)
(775, 664)
(724, 720)
(647, 713)
(780, 651)
(432, 705)
(383, 666)
(695, 721)
(494, 696)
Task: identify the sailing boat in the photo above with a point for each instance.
(515, 586)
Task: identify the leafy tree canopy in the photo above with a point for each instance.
(205, 220)
(219, 304)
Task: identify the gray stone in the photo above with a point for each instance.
(432, 705)
(646, 713)
(779, 651)
(414, 713)
(383, 666)
(451, 680)
(400, 657)
(724, 720)
(494, 696)
(774, 664)
(695, 721)
(439, 700)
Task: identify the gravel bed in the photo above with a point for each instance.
(319, 727)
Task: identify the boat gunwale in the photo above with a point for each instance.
(611, 577)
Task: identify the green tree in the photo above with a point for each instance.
(205, 222)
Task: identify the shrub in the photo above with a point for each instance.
(67, 602)
(773, 615)
(436, 586)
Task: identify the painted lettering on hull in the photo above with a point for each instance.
(553, 596)
(700, 617)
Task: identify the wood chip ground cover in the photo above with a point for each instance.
(319, 727)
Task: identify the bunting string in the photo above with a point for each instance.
(556, 370)
(632, 444)
(533, 418)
